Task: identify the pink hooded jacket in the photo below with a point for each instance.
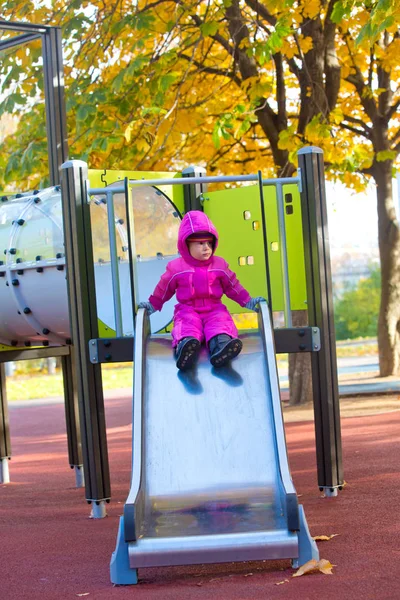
(198, 283)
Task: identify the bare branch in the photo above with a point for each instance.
(262, 10)
(359, 132)
(393, 109)
(357, 80)
(357, 122)
(396, 148)
(332, 65)
(280, 90)
(395, 137)
(211, 70)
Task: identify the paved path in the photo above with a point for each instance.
(51, 550)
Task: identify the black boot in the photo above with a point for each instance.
(187, 352)
(223, 348)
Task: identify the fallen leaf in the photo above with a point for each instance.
(325, 538)
(325, 566)
(281, 582)
(315, 566)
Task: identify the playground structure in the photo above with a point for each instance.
(92, 340)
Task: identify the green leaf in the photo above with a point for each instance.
(82, 113)
(209, 28)
(215, 139)
(167, 80)
(385, 155)
(143, 21)
(339, 11)
(153, 110)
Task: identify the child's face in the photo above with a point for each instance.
(200, 250)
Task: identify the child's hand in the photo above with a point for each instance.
(252, 303)
(148, 306)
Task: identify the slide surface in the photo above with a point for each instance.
(210, 479)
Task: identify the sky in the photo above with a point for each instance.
(352, 218)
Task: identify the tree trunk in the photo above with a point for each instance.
(300, 379)
(389, 251)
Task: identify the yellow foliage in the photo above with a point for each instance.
(390, 58)
(311, 8)
(305, 43)
(142, 144)
(289, 48)
(163, 98)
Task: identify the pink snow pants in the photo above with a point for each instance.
(202, 323)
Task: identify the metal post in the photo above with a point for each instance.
(284, 257)
(193, 191)
(84, 327)
(5, 442)
(130, 221)
(72, 418)
(56, 121)
(265, 243)
(320, 314)
(114, 264)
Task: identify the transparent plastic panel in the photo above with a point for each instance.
(157, 221)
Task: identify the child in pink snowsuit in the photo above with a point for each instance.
(199, 279)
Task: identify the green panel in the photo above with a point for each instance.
(236, 213)
(295, 249)
(104, 330)
(237, 238)
(99, 178)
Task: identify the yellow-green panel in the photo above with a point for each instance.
(104, 331)
(3, 348)
(237, 237)
(237, 216)
(295, 249)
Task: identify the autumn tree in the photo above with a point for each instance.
(234, 85)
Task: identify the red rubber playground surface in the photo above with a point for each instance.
(50, 549)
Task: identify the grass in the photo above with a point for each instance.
(27, 386)
(41, 385)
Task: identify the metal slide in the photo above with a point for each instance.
(210, 480)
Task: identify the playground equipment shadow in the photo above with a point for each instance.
(52, 550)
